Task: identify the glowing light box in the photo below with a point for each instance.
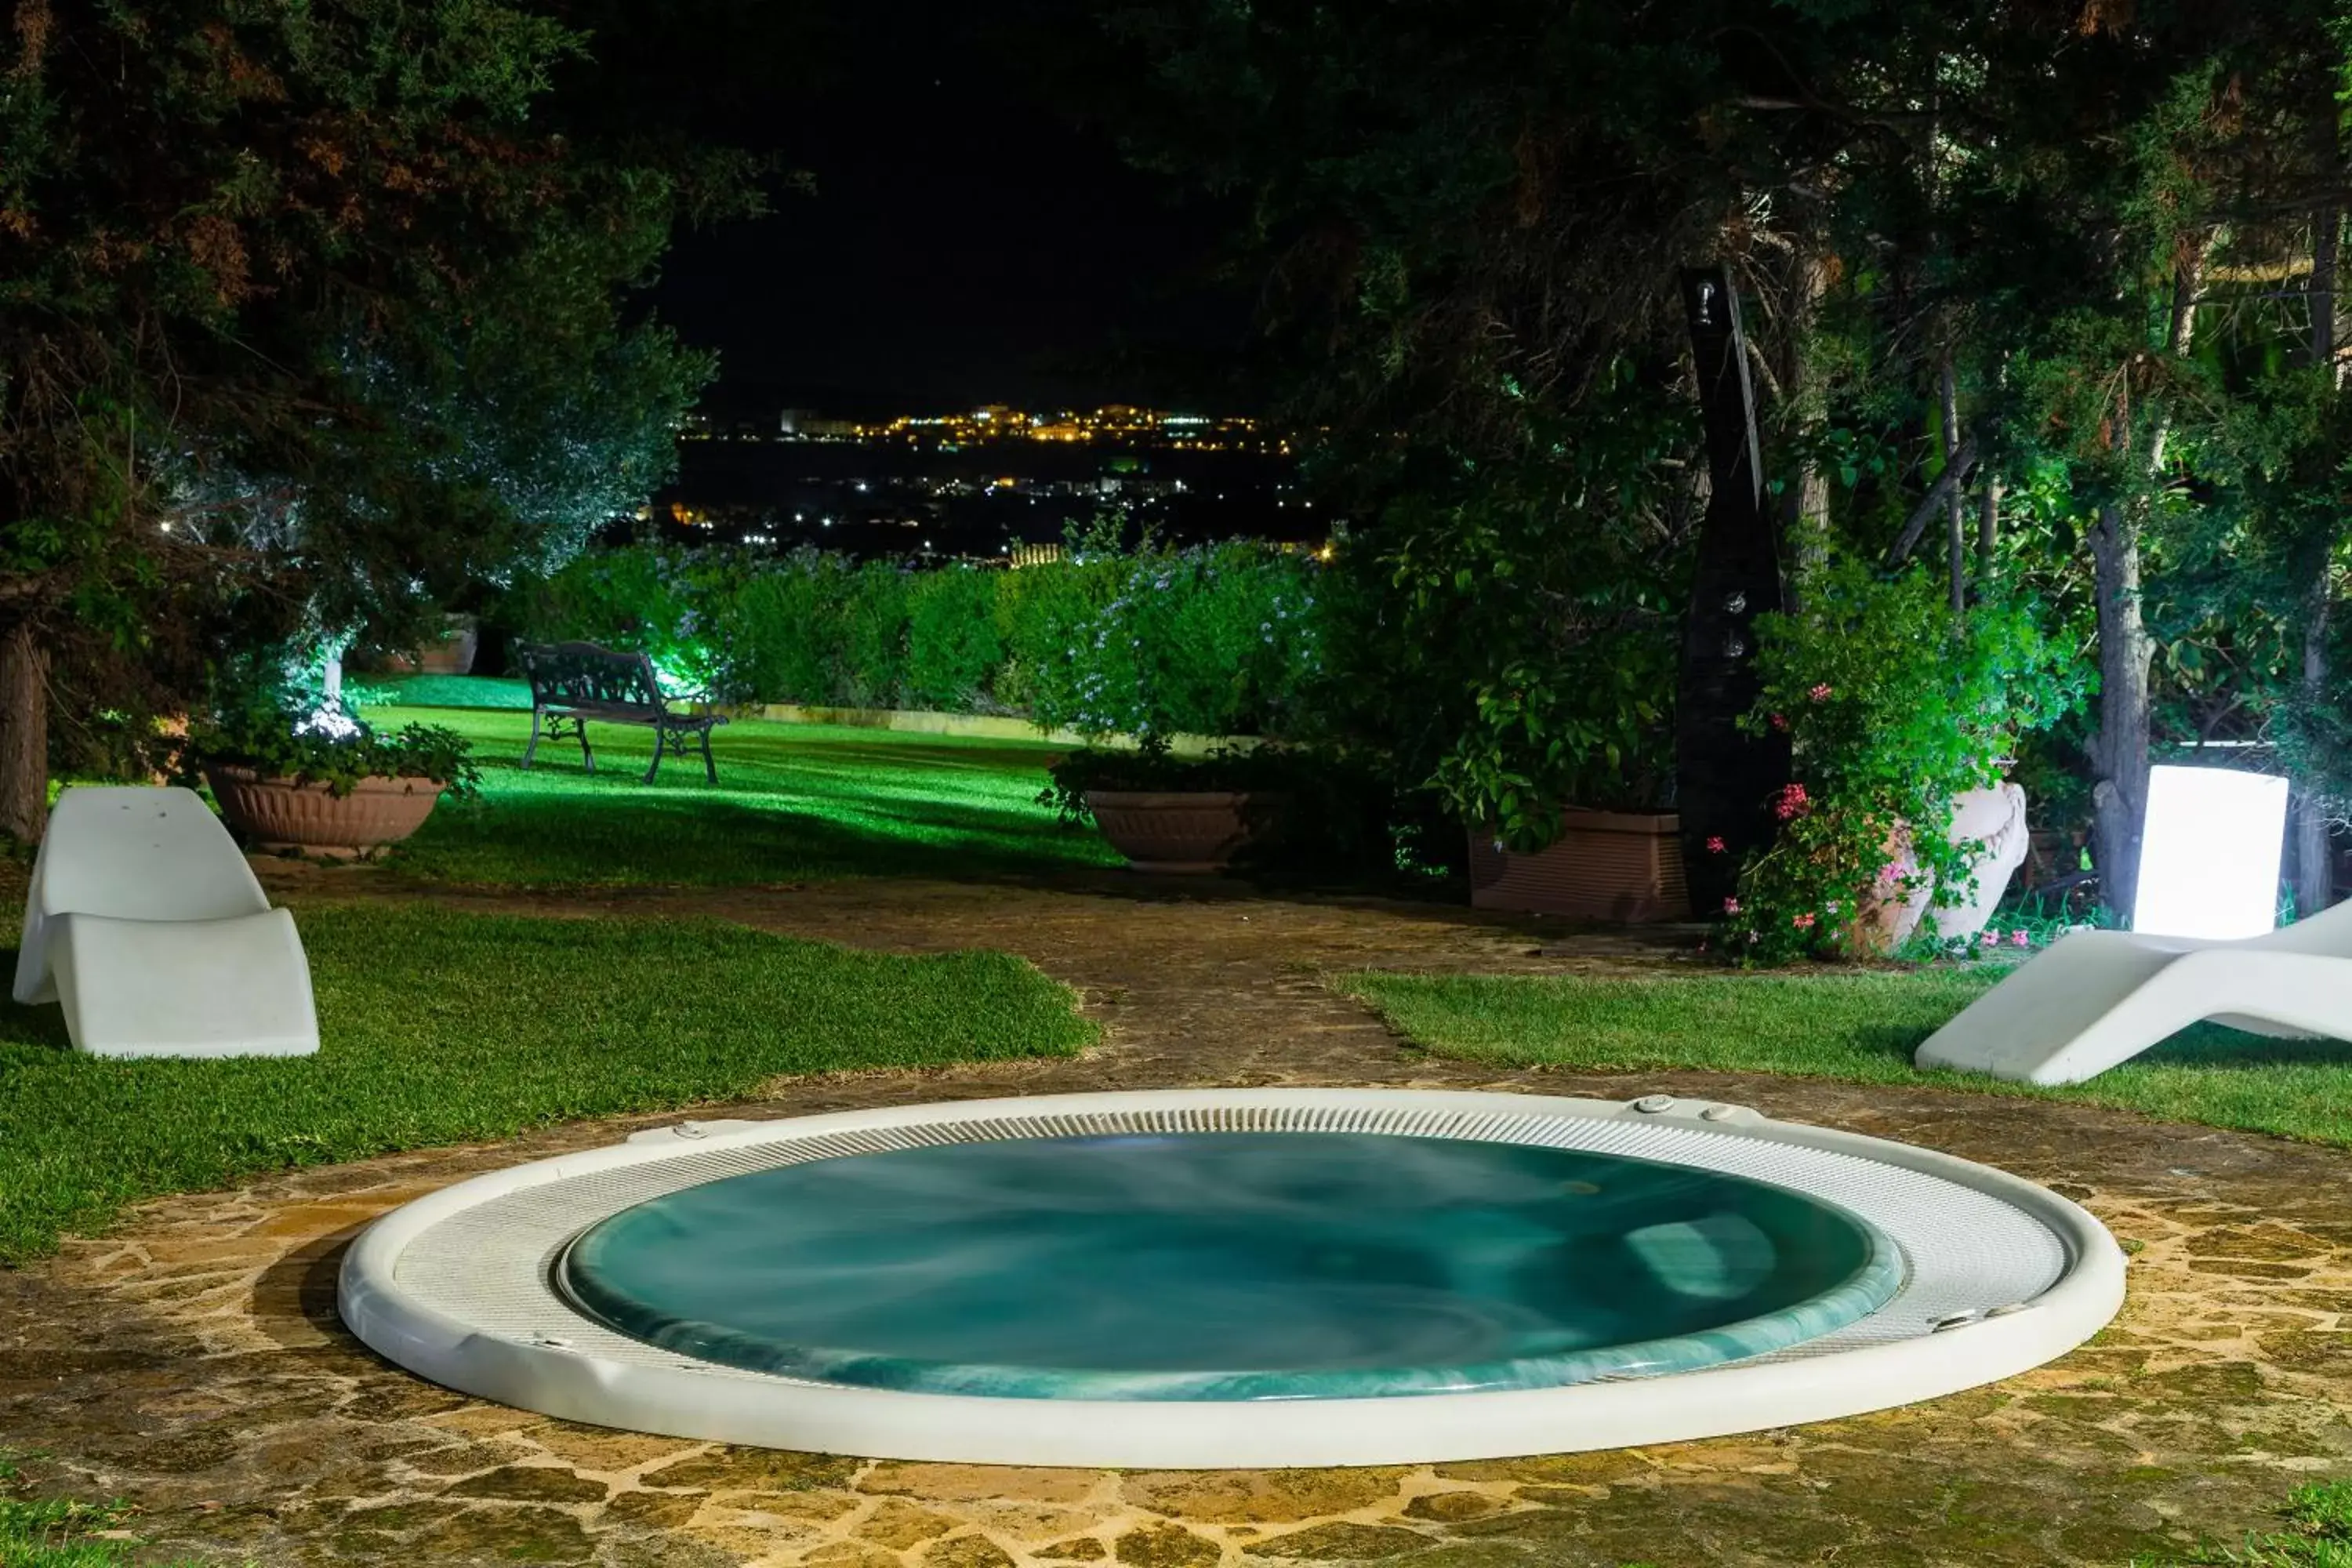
(2208, 856)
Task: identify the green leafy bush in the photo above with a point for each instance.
(1208, 641)
(953, 643)
(1504, 628)
(1892, 706)
(872, 660)
(1214, 640)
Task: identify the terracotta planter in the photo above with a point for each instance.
(278, 814)
(1993, 818)
(1186, 830)
(1605, 866)
(451, 653)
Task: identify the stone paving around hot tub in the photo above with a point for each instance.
(192, 1362)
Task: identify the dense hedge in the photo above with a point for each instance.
(1222, 639)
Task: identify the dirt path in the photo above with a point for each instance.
(193, 1363)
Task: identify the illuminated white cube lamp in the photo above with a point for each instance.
(2209, 859)
(2203, 946)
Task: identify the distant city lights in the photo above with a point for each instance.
(1113, 423)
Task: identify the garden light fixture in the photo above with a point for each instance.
(2208, 860)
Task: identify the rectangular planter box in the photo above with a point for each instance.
(1605, 866)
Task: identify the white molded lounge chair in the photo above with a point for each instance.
(145, 921)
(2099, 997)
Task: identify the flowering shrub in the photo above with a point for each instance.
(1892, 706)
(1217, 639)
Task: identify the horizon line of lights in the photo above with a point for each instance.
(996, 422)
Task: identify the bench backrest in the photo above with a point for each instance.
(581, 674)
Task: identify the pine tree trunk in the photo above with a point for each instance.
(1808, 513)
(2119, 752)
(2315, 869)
(24, 734)
(1988, 526)
(2120, 749)
(1956, 537)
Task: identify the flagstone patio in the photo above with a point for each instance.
(192, 1362)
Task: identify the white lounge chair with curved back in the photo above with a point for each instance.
(144, 920)
(2099, 997)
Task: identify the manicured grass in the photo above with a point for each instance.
(54, 1533)
(439, 1028)
(440, 691)
(1861, 1028)
(794, 803)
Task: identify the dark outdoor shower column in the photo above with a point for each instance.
(1723, 779)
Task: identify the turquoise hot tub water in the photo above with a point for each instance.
(1221, 1265)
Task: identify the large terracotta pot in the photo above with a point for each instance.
(451, 653)
(1180, 830)
(1993, 820)
(1604, 866)
(279, 813)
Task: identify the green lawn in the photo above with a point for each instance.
(439, 690)
(2318, 1534)
(794, 803)
(58, 1532)
(1861, 1028)
(441, 1027)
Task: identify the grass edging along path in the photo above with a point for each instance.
(59, 1532)
(1861, 1028)
(443, 1027)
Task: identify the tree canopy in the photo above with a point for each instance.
(306, 310)
(2042, 301)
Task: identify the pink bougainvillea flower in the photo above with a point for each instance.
(1793, 803)
(1820, 693)
(1780, 721)
(1803, 921)
(1731, 906)
(2021, 939)
(1714, 846)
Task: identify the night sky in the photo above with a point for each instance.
(971, 235)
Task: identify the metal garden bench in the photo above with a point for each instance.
(573, 682)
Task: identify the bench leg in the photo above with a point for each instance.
(710, 767)
(660, 735)
(587, 757)
(532, 748)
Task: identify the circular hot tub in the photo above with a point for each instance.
(1232, 1278)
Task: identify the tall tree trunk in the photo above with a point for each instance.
(1956, 534)
(1987, 524)
(24, 734)
(2119, 750)
(2315, 870)
(1809, 506)
(2314, 866)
